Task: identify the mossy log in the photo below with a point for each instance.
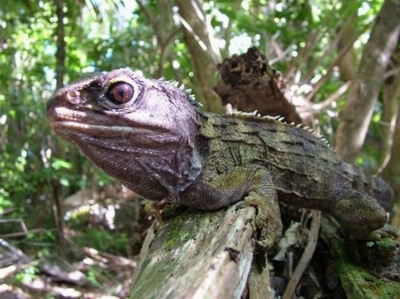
(199, 255)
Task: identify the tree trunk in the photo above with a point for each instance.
(391, 100)
(57, 207)
(165, 31)
(357, 114)
(348, 64)
(203, 50)
(391, 141)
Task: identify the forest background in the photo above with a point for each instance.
(342, 73)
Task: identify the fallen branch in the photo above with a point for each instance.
(198, 255)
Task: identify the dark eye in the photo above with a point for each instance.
(120, 93)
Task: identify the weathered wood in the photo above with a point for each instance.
(197, 255)
(249, 84)
(259, 284)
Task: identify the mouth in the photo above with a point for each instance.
(62, 114)
(65, 121)
(85, 128)
(98, 137)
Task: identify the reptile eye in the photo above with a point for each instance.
(120, 93)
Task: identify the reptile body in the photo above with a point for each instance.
(152, 137)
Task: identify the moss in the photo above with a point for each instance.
(358, 282)
(181, 225)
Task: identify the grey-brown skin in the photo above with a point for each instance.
(152, 137)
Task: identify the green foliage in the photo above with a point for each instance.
(109, 34)
(297, 36)
(27, 275)
(104, 241)
(93, 274)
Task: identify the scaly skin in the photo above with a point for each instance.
(152, 137)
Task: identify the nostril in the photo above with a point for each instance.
(72, 96)
(70, 99)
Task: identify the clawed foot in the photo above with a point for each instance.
(386, 231)
(376, 250)
(163, 209)
(153, 209)
(268, 220)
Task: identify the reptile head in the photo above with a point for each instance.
(121, 120)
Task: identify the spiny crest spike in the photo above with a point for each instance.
(254, 113)
(308, 129)
(269, 117)
(192, 99)
(324, 140)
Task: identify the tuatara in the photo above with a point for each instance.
(152, 137)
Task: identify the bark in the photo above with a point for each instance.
(204, 53)
(392, 172)
(391, 101)
(375, 58)
(348, 64)
(60, 54)
(197, 255)
(391, 132)
(249, 84)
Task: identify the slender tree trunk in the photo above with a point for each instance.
(357, 114)
(391, 101)
(60, 54)
(165, 31)
(58, 213)
(391, 142)
(204, 53)
(348, 64)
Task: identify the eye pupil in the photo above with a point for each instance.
(121, 93)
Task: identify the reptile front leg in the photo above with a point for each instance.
(262, 195)
(253, 183)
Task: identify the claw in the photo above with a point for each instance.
(268, 221)
(386, 231)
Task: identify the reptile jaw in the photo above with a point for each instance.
(86, 128)
(63, 118)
